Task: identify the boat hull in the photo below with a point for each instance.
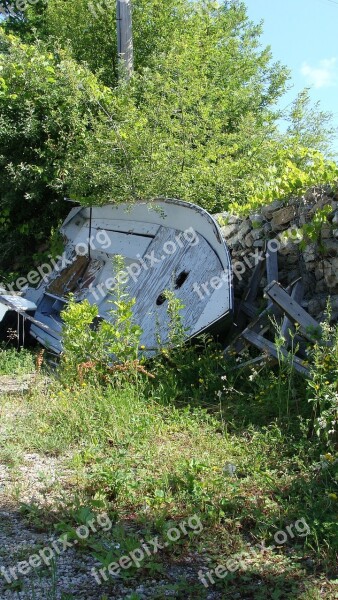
(165, 245)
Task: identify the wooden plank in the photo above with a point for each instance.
(255, 279)
(250, 310)
(112, 242)
(128, 227)
(287, 328)
(259, 359)
(251, 292)
(270, 349)
(293, 310)
(259, 325)
(23, 314)
(272, 266)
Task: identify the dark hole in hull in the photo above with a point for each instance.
(181, 278)
(161, 300)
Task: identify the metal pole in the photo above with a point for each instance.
(125, 35)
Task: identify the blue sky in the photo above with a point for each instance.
(303, 34)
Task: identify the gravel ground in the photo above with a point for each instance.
(37, 481)
(15, 385)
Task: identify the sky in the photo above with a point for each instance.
(303, 35)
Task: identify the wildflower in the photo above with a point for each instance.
(333, 496)
(253, 375)
(142, 347)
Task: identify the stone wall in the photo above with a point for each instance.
(313, 258)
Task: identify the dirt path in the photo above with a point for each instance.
(32, 481)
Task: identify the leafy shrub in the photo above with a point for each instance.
(91, 345)
(13, 362)
(323, 386)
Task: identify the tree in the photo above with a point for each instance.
(198, 120)
(43, 113)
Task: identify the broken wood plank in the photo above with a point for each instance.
(261, 359)
(271, 350)
(308, 325)
(259, 325)
(251, 292)
(24, 315)
(255, 279)
(271, 268)
(250, 310)
(287, 328)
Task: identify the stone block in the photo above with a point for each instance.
(330, 248)
(257, 234)
(282, 217)
(310, 253)
(248, 241)
(228, 230)
(244, 229)
(319, 272)
(268, 211)
(326, 232)
(331, 273)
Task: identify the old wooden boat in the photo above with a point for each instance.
(165, 245)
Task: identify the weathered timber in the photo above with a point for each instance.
(309, 327)
(271, 350)
(287, 328)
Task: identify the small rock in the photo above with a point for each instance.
(233, 241)
(283, 216)
(228, 230)
(267, 211)
(335, 218)
(244, 229)
(326, 232)
(248, 240)
(330, 248)
(319, 272)
(310, 253)
(256, 219)
(257, 234)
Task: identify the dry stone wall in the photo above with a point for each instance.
(312, 255)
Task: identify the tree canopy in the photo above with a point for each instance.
(198, 120)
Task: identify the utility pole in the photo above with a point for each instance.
(125, 47)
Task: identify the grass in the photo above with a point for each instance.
(201, 439)
(13, 362)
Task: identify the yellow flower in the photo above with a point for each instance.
(333, 496)
(142, 347)
(201, 380)
(328, 456)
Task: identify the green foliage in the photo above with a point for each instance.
(323, 386)
(43, 117)
(312, 231)
(197, 121)
(91, 344)
(78, 335)
(13, 362)
(291, 172)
